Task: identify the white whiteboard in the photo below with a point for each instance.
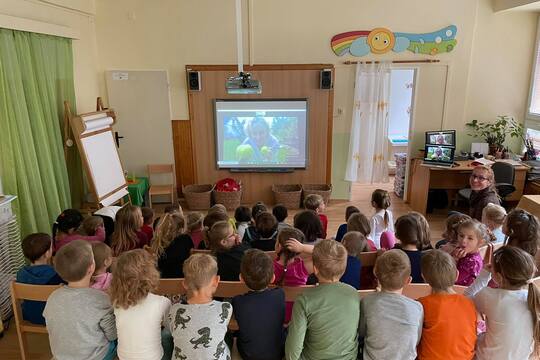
(103, 163)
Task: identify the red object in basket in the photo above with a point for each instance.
(227, 185)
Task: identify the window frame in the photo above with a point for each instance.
(532, 120)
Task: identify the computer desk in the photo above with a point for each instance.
(424, 177)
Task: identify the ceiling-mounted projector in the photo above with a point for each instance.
(243, 84)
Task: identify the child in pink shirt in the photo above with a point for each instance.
(101, 279)
(469, 262)
(66, 229)
(289, 268)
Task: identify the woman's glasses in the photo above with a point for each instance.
(479, 178)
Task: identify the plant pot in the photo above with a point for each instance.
(493, 149)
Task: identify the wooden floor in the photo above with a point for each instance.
(361, 196)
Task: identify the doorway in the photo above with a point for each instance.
(402, 85)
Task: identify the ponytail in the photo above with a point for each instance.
(533, 302)
(386, 219)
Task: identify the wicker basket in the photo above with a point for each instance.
(321, 189)
(288, 195)
(230, 199)
(198, 197)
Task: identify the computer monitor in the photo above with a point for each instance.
(439, 155)
(443, 137)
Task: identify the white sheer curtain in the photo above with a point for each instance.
(368, 147)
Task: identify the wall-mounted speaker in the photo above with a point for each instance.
(194, 80)
(326, 79)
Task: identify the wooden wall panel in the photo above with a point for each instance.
(183, 153)
(278, 81)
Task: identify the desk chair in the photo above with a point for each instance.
(21, 292)
(504, 180)
(165, 189)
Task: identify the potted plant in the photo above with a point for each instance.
(495, 133)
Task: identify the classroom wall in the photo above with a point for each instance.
(492, 48)
(75, 14)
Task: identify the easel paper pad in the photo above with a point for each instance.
(114, 197)
(97, 124)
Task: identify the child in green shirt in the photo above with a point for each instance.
(333, 310)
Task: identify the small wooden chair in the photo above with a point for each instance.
(165, 189)
(20, 292)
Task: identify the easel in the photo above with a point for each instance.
(88, 206)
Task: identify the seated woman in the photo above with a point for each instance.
(483, 192)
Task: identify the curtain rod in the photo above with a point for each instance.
(349, 62)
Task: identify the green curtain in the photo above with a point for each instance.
(36, 76)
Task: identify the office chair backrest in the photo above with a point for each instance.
(504, 173)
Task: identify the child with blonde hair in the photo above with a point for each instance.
(171, 245)
(493, 217)
(512, 311)
(139, 312)
(199, 324)
(80, 320)
(383, 219)
(325, 318)
(449, 330)
(101, 279)
(127, 235)
(315, 202)
(195, 227)
(471, 235)
(228, 249)
(390, 312)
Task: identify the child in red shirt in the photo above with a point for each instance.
(315, 202)
(148, 220)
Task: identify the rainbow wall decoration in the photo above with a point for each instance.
(381, 40)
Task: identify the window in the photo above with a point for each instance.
(533, 111)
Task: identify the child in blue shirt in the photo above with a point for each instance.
(260, 312)
(355, 243)
(37, 248)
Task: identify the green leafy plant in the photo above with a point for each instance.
(495, 133)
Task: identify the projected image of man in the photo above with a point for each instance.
(260, 144)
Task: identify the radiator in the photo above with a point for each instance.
(11, 257)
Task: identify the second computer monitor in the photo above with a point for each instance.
(443, 137)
